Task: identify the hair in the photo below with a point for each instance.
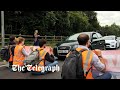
(19, 40)
(42, 42)
(36, 31)
(12, 38)
(83, 39)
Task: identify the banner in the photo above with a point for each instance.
(111, 58)
(47, 48)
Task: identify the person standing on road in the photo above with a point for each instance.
(95, 60)
(36, 36)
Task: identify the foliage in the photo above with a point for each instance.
(59, 23)
(47, 22)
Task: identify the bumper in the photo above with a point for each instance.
(111, 46)
(60, 52)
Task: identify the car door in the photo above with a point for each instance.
(97, 42)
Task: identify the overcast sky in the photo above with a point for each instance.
(108, 17)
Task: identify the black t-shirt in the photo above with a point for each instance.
(11, 43)
(12, 47)
(49, 57)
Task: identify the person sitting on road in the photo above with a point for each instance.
(12, 47)
(93, 60)
(46, 57)
(19, 52)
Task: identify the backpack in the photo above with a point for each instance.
(32, 58)
(72, 67)
(5, 53)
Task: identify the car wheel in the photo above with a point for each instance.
(116, 46)
(104, 47)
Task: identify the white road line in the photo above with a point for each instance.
(3, 65)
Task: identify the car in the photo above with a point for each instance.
(118, 39)
(111, 42)
(62, 49)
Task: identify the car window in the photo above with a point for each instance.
(74, 37)
(99, 35)
(94, 35)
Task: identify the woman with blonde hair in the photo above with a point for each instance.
(36, 40)
(19, 52)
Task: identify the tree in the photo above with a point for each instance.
(93, 22)
(78, 21)
(60, 23)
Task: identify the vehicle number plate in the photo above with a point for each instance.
(62, 51)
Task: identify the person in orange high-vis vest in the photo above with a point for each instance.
(19, 52)
(46, 58)
(91, 59)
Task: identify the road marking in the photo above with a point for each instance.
(3, 65)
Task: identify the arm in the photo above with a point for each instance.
(24, 52)
(49, 57)
(97, 63)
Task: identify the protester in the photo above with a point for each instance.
(19, 52)
(11, 49)
(93, 60)
(46, 57)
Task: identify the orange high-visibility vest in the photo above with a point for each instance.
(86, 58)
(42, 54)
(18, 56)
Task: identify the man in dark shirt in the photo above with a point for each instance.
(12, 47)
(49, 57)
(49, 54)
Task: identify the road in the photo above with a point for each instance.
(5, 73)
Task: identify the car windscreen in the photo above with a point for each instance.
(109, 38)
(74, 37)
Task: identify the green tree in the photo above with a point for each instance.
(93, 22)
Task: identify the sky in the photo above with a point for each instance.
(108, 17)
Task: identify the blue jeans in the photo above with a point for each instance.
(47, 64)
(106, 75)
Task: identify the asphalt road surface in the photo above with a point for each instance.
(5, 73)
